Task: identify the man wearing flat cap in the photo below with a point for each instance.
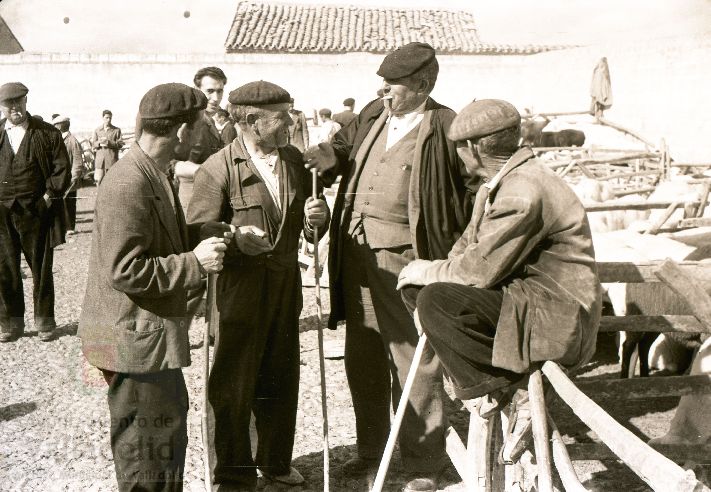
(34, 174)
(520, 286)
(106, 142)
(134, 321)
(76, 163)
(402, 197)
(259, 185)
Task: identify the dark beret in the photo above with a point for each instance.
(171, 100)
(259, 93)
(12, 90)
(482, 118)
(349, 101)
(406, 60)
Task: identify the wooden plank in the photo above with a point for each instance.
(703, 200)
(695, 222)
(658, 471)
(460, 459)
(629, 175)
(562, 461)
(564, 113)
(644, 388)
(699, 453)
(641, 205)
(657, 324)
(625, 130)
(654, 228)
(640, 191)
(644, 271)
(684, 285)
(541, 440)
(691, 164)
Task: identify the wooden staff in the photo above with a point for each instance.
(321, 358)
(212, 316)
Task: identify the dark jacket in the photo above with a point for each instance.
(344, 117)
(534, 242)
(46, 148)
(204, 141)
(134, 317)
(439, 204)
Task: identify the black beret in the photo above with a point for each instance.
(12, 90)
(349, 101)
(259, 93)
(171, 100)
(482, 118)
(406, 60)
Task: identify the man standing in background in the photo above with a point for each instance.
(225, 126)
(106, 142)
(328, 127)
(347, 115)
(76, 162)
(34, 174)
(205, 139)
(299, 131)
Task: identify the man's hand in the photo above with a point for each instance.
(47, 200)
(321, 156)
(252, 240)
(413, 274)
(210, 253)
(217, 229)
(316, 212)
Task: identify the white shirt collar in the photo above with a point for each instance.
(65, 134)
(25, 124)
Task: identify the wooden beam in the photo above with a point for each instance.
(642, 205)
(541, 440)
(659, 472)
(566, 471)
(694, 222)
(657, 324)
(654, 228)
(640, 191)
(703, 200)
(686, 286)
(630, 175)
(644, 388)
(695, 164)
(699, 453)
(564, 113)
(644, 271)
(621, 128)
(460, 459)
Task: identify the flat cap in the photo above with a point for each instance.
(12, 90)
(406, 60)
(259, 93)
(171, 100)
(60, 119)
(482, 118)
(349, 101)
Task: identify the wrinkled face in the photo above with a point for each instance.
(107, 119)
(405, 94)
(213, 90)
(272, 128)
(469, 154)
(15, 110)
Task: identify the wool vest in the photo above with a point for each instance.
(21, 178)
(381, 200)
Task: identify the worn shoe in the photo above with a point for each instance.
(359, 467)
(45, 336)
(8, 336)
(292, 479)
(421, 484)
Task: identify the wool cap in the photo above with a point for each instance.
(406, 60)
(259, 93)
(482, 118)
(349, 101)
(60, 119)
(12, 90)
(171, 100)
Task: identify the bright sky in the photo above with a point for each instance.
(160, 25)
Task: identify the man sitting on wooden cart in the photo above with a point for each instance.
(520, 286)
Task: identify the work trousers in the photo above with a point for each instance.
(70, 206)
(460, 324)
(26, 230)
(149, 433)
(380, 344)
(255, 370)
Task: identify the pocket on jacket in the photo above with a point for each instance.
(141, 345)
(247, 210)
(556, 331)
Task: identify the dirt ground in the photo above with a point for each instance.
(54, 416)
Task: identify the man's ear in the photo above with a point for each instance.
(251, 118)
(424, 86)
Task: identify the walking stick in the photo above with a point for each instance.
(399, 415)
(321, 358)
(212, 316)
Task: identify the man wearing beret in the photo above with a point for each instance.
(259, 185)
(134, 322)
(402, 197)
(106, 142)
(205, 138)
(76, 163)
(347, 115)
(520, 286)
(34, 173)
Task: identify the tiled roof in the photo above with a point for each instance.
(9, 45)
(275, 27)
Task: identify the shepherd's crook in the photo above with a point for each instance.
(321, 359)
(399, 415)
(212, 318)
